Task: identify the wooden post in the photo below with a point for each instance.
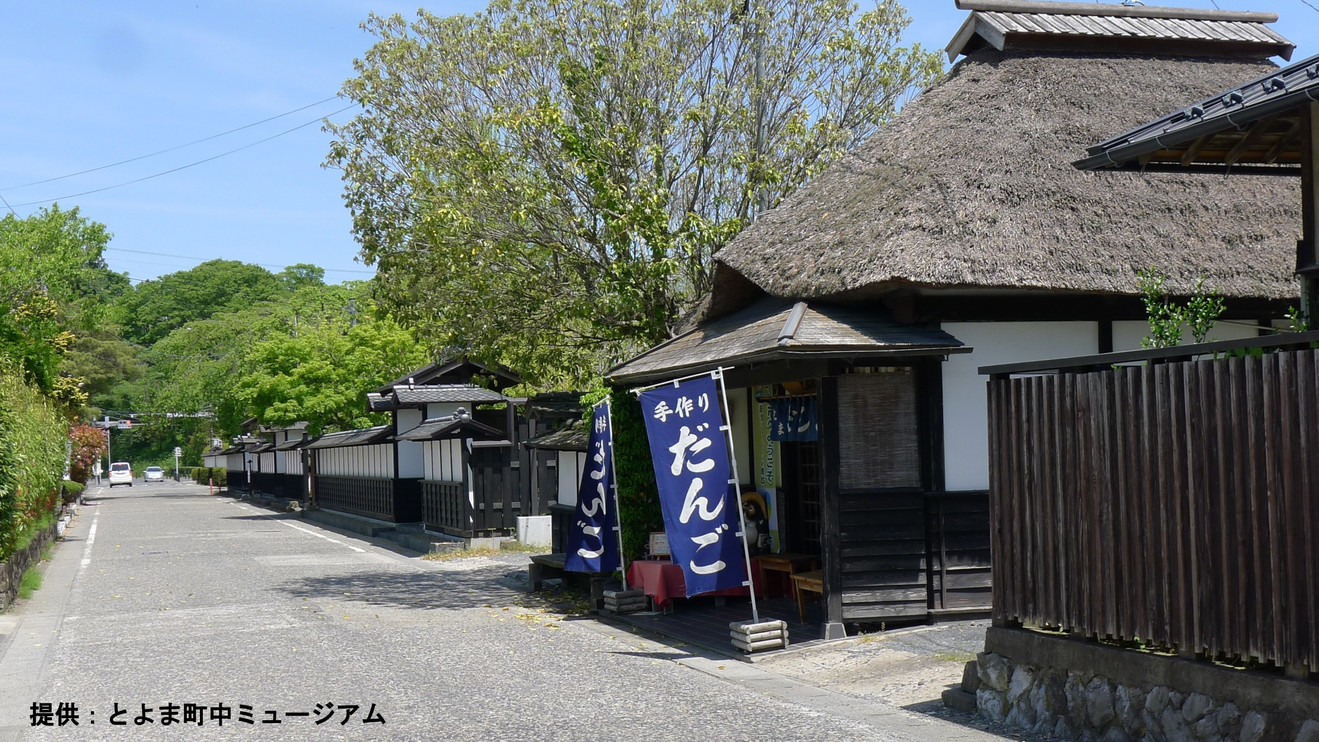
(1307, 250)
(831, 540)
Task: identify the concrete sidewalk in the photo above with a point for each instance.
(28, 631)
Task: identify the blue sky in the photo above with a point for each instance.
(88, 83)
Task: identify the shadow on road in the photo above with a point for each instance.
(440, 590)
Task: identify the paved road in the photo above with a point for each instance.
(164, 595)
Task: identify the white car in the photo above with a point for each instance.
(153, 474)
(121, 472)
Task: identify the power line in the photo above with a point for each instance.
(263, 265)
(185, 167)
(170, 149)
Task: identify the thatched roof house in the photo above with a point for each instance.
(960, 235)
(971, 184)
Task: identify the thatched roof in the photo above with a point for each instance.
(1256, 123)
(971, 186)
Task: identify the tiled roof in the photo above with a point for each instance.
(569, 438)
(445, 393)
(362, 437)
(772, 329)
(451, 427)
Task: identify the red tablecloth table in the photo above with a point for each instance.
(662, 581)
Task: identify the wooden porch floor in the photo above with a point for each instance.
(703, 622)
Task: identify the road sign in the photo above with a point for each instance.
(124, 424)
(178, 451)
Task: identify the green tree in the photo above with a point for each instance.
(322, 374)
(53, 281)
(299, 275)
(153, 309)
(545, 183)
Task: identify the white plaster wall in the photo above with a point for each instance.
(965, 409)
(290, 462)
(1128, 334)
(444, 409)
(571, 465)
(376, 461)
(411, 459)
(443, 460)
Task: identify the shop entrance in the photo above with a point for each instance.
(801, 497)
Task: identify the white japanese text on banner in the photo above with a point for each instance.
(592, 542)
(689, 450)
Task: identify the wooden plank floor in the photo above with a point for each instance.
(702, 622)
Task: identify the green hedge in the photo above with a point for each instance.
(204, 475)
(71, 489)
(32, 453)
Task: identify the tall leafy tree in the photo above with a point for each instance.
(154, 309)
(545, 183)
(53, 283)
(322, 374)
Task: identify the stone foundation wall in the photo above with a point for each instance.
(11, 570)
(1076, 700)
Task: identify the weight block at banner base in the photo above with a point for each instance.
(625, 601)
(754, 637)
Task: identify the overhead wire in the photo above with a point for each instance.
(189, 165)
(171, 149)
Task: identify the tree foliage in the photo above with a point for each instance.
(156, 308)
(86, 445)
(321, 374)
(545, 183)
(53, 282)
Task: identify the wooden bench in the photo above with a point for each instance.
(806, 582)
(547, 566)
(542, 567)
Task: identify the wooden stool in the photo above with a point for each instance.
(807, 582)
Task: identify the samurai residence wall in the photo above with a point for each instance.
(373, 461)
(290, 462)
(266, 463)
(411, 459)
(442, 460)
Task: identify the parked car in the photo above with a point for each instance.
(121, 472)
(153, 474)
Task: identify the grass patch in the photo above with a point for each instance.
(958, 657)
(486, 551)
(31, 582)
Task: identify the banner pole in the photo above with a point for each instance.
(618, 512)
(680, 379)
(741, 516)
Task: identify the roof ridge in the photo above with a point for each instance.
(1129, 11)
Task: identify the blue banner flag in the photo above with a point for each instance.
(592, 542)
(689, 451)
